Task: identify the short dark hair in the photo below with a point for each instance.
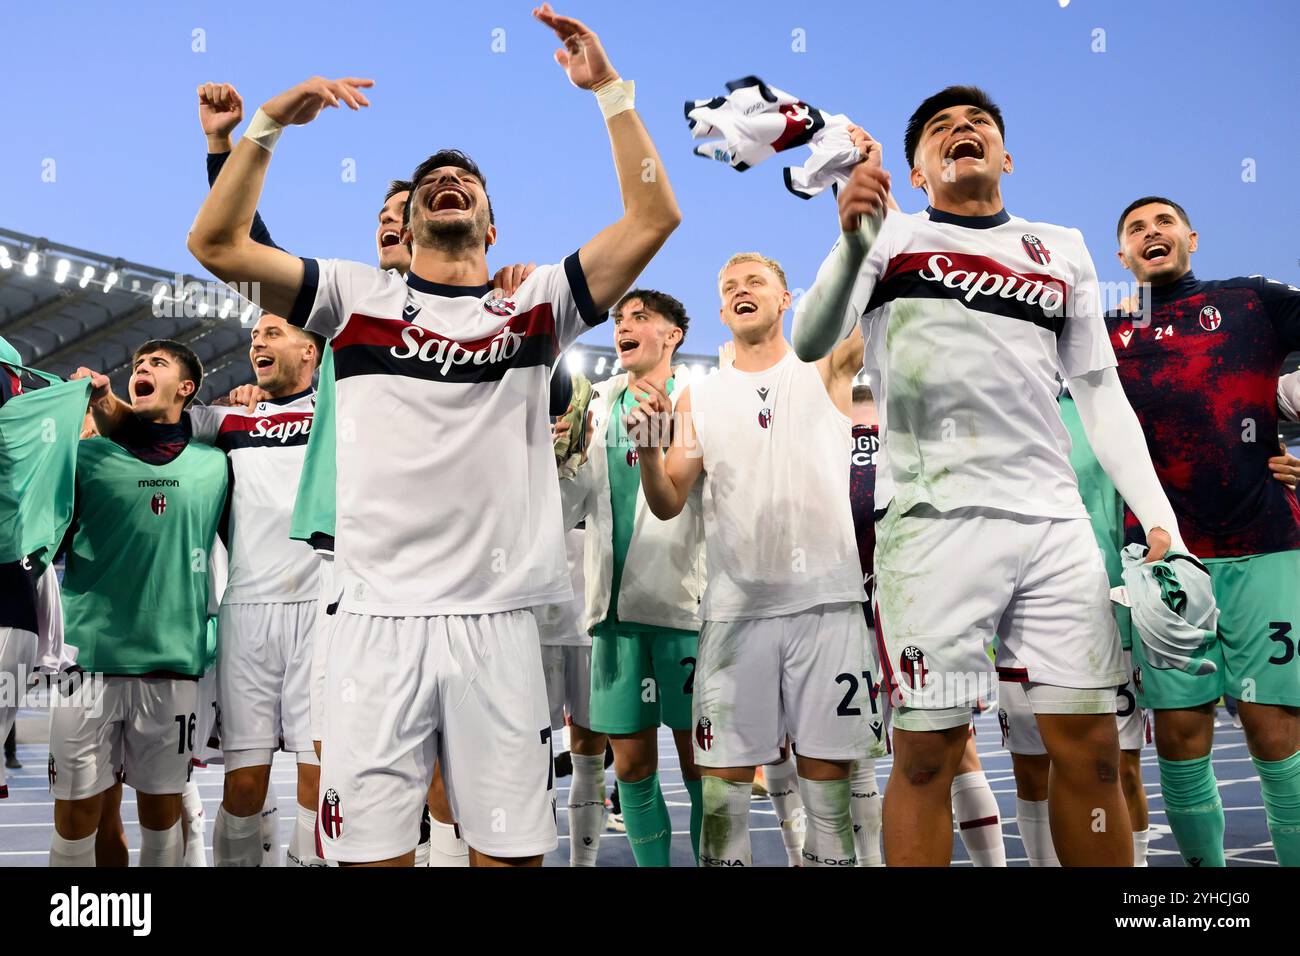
(1146, 201)
(659, 302)
(862, 394)
(182, 355)
(444, 157)
(944, 99)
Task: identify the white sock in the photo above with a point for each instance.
(162, 847)
(302, 842)
(269, 830)
(586, 808)
(828, 835)
(445, 847)
(1036, 832)
(1140, 840)
(866, 806)
(724, 833)
(976, 811)
(783, 790)
(72, 852)
(237, 841)
(192, 817)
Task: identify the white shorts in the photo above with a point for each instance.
(402, 691)
(809, 675)
(1020, 733)
(320, 640)
(207, 741)
(568, 683)
(264, 657)
(17, 651)
(945, 584)
(145, 725)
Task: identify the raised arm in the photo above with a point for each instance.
(667, 476)
(840, 368)
(823, 317)
(220, 238)
(221, 109)
(613, 259)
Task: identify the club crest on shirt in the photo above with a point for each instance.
(765, 418)
(497, 304)
(158, 504)
(1035, 249)
(1210, 318)
(632, 457)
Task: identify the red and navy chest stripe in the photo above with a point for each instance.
(980, 283)
(276, 430)
(373, 346)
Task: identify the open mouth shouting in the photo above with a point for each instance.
(744, 307)
(964, 147)
(1157, 251)
(142, 387)
(389, 237)
(263, 362)
(448, 197)
(627, 347)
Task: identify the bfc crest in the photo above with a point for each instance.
(912, 665)
(499, 305)
(158, 504)
(632, 457)
(765, 418)
(704, 733)
(331, 814)
(1210, 318)
(1035, 249)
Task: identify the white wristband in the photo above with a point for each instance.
(263, 130)
(616, 97)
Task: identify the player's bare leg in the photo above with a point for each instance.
(237, 835)
(75, 825)
(724, 832)
(1032, 772)
(691, 778)
(110, 839)
(918, 799)
(1273, 737)
(444, 847)
(1135, 798)
(1090, 822)
(975, 810)
(161, 842)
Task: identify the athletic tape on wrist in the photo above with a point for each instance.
(263, 130)
(616, 97)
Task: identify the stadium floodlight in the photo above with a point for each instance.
(61, 270)
(247, 315)
(575, 362)
(135, 285)
(87, 274)
(600, 364)
(5, 261)
(203, 306)
(110, 280)
(226, 305)
(29, 269)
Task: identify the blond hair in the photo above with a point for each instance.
(754, 257)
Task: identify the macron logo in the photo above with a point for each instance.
(75, 909)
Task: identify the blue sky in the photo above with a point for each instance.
(1184, 93)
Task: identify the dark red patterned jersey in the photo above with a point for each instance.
(1202, 377)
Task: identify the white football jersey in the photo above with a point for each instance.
(778, 525)
(448, 501)
(968, 320)
(266, 451)
(560, 625)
